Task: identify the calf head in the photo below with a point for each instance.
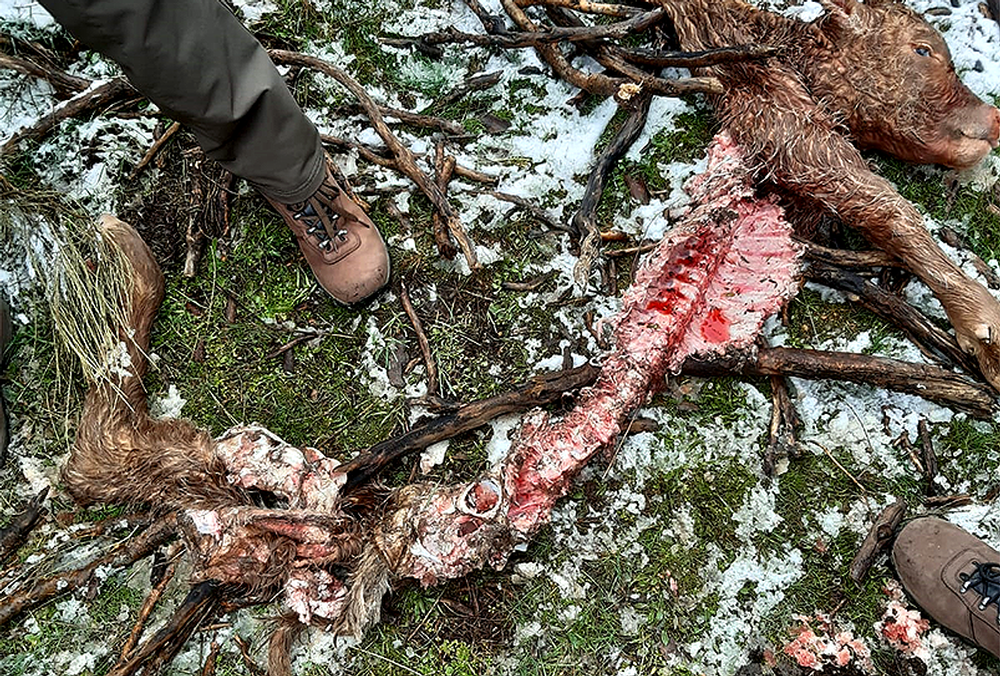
(891, 75)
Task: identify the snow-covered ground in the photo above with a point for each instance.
(554, 149)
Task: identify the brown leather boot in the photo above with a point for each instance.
(341, 244)
(954, 576)
(6, 333)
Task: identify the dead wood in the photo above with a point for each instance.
(93, 99)
(551, 35)
(145, 610)
(201, 602)
(155, 148)
(927, 455)
(600, 84)
(405, 160)
(585, 220)
(632, 250)
(784, 421)
(542, 389)
(460, 91)
(923, 380)
(709, 57)
(530, 207)
(425, 346)
(248, 660)
(213, 654)
(126, 553)
(64, 84)
(944, 502)
(933, 340)
(406, 117)
(14, 535)
(586, 6)
(372, 156)
(444, 167)
(879, 537)
(843, 258)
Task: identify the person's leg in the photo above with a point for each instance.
(195, 61)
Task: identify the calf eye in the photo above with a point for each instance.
(922, 51)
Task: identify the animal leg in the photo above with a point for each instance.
(798, 146)
(121, 455)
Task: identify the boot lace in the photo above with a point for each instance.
(321, 221)
(985, 580)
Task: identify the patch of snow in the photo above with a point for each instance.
(167, 405)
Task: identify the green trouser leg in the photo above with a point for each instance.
(194, 60)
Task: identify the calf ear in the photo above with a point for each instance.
(839, 8)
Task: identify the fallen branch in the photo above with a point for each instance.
(64, 84)
(405, 160)
(371, 155)
(444, 167)
(927, 455)
(126, 553)
(542, 389)
(405, 116)
(586, 6)
(463, 89)
(201, 602)
(145, 610)
(95, 98)
(923, 380)
(843, 258)
(585, 220)
(13, 536)
(953, 239)
(425, 346)
(932, 340)
(155, 148)
(879, 537)
(533, 209)
(522, 39)
(784, 419)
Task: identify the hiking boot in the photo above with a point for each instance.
(954, 576)
(341, 244)
(6, 332)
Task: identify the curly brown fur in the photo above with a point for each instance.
(121, 455)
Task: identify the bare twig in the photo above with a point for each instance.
(585, 220)
(200, 603)
(784, 420)
(128, 552)
(953, 239)
(14, 534)
(463, 89)
(407, 117)
(64, 84)
(425, 346)
(551, 35)
(533, 209)
(405, 160)
(147, 607)
(586, 6)
(928, 456)
(155, 148)
(849, 259)
(923, 380)
(540, 390)
(933, 340)
(444, 167)
(879, 538)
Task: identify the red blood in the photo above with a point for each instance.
(716, 326)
